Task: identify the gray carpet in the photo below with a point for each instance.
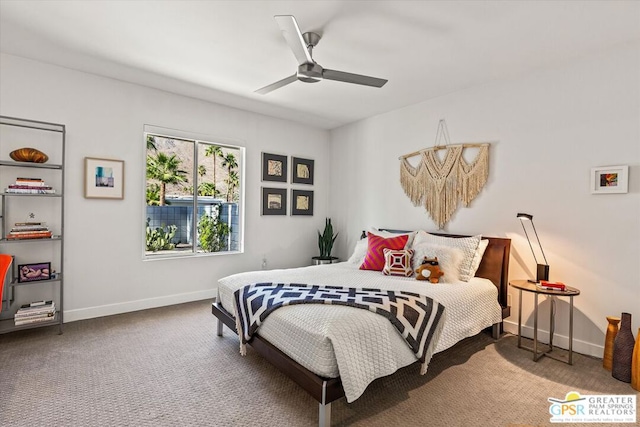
(166, 367)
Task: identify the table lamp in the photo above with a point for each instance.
(542, 272)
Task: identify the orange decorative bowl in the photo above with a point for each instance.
(28, 155)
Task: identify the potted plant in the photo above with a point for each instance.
(325, 244)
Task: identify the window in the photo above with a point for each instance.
(193, 196)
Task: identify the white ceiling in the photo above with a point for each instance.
(222, 51)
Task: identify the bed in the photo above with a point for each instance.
(304, 341)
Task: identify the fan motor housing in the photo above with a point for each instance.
(309, 72)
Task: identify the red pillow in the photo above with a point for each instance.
(374, 260)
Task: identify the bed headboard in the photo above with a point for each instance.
(494, 265)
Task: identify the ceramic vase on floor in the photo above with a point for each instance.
(623, 350)
(612, 331)
(635, 364)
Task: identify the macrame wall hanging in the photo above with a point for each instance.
(439, 185)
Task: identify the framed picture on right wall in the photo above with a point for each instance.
(274, 167)
(610, 179)
(274, 201)
(301, 171)
(301, 202)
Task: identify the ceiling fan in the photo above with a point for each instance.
(310, 71)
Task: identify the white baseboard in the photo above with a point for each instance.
(128, 306)
(562, 341)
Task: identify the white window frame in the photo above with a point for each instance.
(195, 138)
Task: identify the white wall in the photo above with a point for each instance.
(549, 129)
(104, 270)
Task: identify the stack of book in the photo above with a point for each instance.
(29, 230)
(30, 186)
(552, 286)
(41, 311)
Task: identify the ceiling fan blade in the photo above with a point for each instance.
(293, 36)
(277, 85)
(341, 76)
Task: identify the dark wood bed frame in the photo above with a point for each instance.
(494, 266)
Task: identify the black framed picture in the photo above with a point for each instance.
(34, 272)
(274, 167)
(274, 201)
(301, 171)
(301, 202)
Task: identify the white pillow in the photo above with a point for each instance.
(359, 252)
(449, 259)
(468, 245)
(387, 234)
(477, 258)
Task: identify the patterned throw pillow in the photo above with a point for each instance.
(397, 263)
(387, 234)
(374, 260)
(469, 246)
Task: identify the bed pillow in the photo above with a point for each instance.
(359, 252)
(468, 245)
(397, 263)
(449, 259)
(477, 258)
(374, 260)
(386, 234)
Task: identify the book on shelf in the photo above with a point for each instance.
(30, 187)
(37, 305)
(29, 181)
(35, 315)
(32, 313)
(45, 305)
(28, 228)
(27, 316)
(28, 191)
(29, 184)
(32, 231)
(25, 224)
(28, 310)
(23, 178)
(36, 320)
(553, 286)
(27, 236)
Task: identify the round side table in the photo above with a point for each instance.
(570, 292)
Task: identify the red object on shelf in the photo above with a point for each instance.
(25, 236)
(553, 285)
(5, 263)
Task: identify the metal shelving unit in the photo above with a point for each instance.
(23, 248)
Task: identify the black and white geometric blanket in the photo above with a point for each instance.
(417, 318)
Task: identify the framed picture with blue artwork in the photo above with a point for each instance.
(103, 178)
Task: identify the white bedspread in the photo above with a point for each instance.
(324, 339)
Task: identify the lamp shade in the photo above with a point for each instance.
(525, 216)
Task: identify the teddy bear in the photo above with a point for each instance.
(429, 270)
